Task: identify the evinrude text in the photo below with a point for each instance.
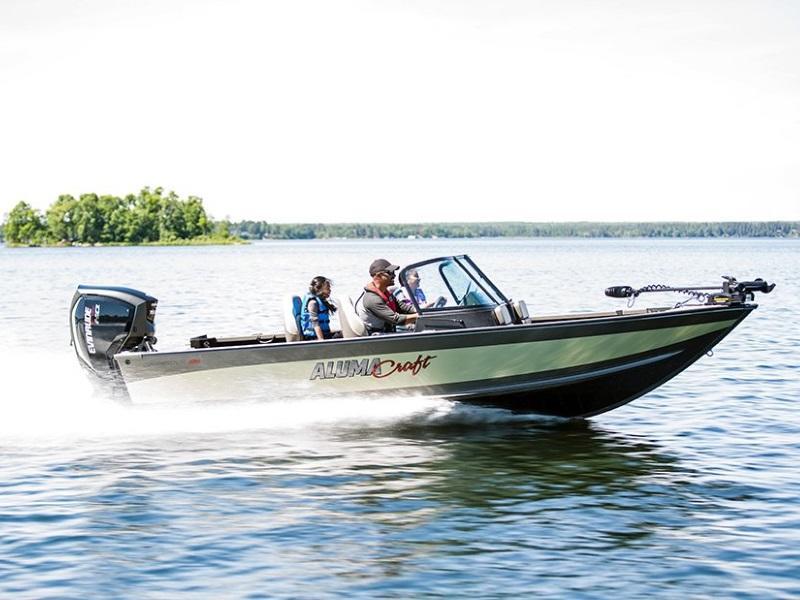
(90, 318)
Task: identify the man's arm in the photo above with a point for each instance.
(407, 308)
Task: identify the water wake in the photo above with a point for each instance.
(51, 398)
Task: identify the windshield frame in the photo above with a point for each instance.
(469, 269)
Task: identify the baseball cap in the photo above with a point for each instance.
(381, 264)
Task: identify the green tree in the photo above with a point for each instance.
(145, 216)
(222, 229)
(171, 223)
(24, 225)
(60, 219)
(88, 219)
(116, 219)
(195, 218)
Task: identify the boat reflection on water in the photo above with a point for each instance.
(517, 464)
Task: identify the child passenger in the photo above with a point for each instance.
(315, 316)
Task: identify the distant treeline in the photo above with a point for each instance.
(151, 216)
(305, 231)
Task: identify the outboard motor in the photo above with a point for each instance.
(108, 320)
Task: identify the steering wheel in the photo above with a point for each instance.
(440, 302)
(463, 300)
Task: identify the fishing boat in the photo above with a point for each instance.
(471, 344)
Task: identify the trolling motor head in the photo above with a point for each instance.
(745, 290)
(107, 320)
(730, 292)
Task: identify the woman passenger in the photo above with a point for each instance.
(412, 280)
(315, 315)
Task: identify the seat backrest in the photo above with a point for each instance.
(352, 325)
(291, 318)
(521, 311)
(503, 315)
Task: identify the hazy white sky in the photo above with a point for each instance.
(416, 110)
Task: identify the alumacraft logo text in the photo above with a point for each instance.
(374, 367)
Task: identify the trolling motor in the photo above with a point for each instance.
(107, 320)
(730, 292)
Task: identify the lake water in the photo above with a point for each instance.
(690, 491)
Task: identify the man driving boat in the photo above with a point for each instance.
(380, 311)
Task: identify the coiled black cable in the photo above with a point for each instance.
(660, 287)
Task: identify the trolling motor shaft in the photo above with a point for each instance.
(730, 292)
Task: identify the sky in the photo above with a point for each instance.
(408, 111)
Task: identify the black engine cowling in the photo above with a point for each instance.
(107, 320)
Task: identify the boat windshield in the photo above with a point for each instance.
(449, 282)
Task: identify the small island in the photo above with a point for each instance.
(151, 217)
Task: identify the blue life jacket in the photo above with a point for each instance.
(305, 317)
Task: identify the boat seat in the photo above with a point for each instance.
(291, 318)
(521, 311)
(503, 315)
(352, 325)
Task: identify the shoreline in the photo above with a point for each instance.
(244, 242)
(233, 242)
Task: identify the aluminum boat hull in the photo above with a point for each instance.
(572, 367)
